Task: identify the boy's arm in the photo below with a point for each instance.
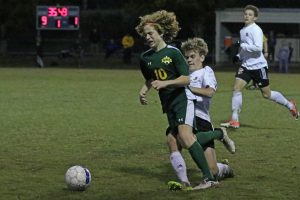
(208, 91)
(143, 92)
(257, 42)
(181, 81)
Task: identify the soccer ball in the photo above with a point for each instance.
(78, 178)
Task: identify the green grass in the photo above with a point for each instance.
(52, 119)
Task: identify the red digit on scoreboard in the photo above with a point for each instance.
(52, 11)
(63, 11)
(58, 23)
(44, 20)
(76, 21)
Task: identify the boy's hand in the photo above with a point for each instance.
(143, 99)
(158, 84)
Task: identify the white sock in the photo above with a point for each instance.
(179, 166)
(223, 170)
(280, 99)
(236, 103)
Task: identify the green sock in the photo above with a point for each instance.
(207, 136)
(197, 154)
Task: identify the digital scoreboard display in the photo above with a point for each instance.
(57, 17)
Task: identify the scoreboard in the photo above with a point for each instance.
(57, 17)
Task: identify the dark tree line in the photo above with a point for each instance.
(196, 17)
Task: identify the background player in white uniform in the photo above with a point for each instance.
(253, 67)
(203, 84)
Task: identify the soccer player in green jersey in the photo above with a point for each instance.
(165, 69)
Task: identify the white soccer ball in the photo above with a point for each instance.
(78, 178)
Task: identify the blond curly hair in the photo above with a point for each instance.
(164, 23)
(195, 44)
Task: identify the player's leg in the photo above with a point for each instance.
(204, 137)
(263, 82)
(219, 170)
(177, 160)
(182, 117)
(196, 152)
(209, 145)
(280, 99)
(195, 149)
(185, 118)
(210, 155)
(205, 133)
(178, 165)
(220, 134)
(236, 101)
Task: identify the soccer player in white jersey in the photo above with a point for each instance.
(203, 85)
(253, 67)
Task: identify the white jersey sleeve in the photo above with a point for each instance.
(209, 79)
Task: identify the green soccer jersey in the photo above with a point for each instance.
(166, 64)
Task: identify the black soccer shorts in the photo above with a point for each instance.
(259, 76)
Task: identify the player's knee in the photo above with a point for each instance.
(172, 143)
(186, 140)
(266, 95)
(236, 89)
(171, 140)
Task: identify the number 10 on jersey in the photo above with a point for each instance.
(160, 74)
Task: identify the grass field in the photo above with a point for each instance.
(52, 119)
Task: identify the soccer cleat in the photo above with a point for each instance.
(294, 111)
(228, 143)
(205, 184)
(225, 161)
(231, 124)
(187, 188)
(176, 186)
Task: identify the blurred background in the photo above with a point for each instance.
(99, 38)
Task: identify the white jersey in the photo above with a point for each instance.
(189, 94)
(203, 78)
(251, 43)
